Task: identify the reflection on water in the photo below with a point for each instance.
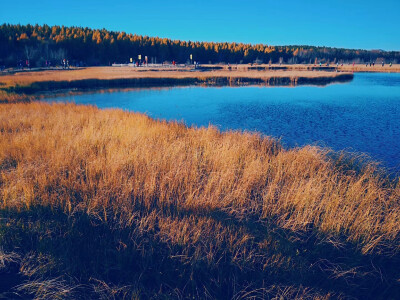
(362, 116)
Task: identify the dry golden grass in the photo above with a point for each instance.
(197, 196)
(13, 97)
(108, 73)
(28, 86)
(116, 160)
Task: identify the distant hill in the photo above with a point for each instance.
(41, 45)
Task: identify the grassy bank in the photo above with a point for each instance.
(105, 203)
(22, 85)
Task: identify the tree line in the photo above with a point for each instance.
(44, 45)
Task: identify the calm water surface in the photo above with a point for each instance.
(360, 116)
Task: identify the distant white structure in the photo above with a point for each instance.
(164, 66)
(124, 65)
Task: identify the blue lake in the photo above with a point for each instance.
(360, 116)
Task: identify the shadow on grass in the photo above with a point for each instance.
(151, 260)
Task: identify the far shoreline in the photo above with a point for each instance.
(21, 85)
(30, 84)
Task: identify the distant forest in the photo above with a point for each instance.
(44, 45)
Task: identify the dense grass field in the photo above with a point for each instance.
(107, 204)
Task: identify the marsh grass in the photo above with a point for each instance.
(107, 203)
(23, 86)
(8, 97)
(28, 86)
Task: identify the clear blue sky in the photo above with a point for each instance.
(338, 23)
